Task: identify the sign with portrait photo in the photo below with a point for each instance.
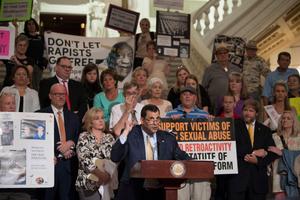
(206, 141)
(26, 150)
(116, 53)
(173, 34)
(236, 46)
(121, 19)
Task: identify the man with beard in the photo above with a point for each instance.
(252, 142)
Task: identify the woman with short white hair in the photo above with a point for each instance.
(156, 88)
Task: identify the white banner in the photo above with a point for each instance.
(206, 141)
(26, 150)
(103, 52)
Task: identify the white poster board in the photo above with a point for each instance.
(206, 140)
(26, 150)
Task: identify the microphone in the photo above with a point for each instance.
(170, 131)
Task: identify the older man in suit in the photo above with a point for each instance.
(252, 140)
(144, 142)
(66, 130)
(76, 100)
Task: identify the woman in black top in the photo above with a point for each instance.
(91, 82)
(35, 50)
(19, 58)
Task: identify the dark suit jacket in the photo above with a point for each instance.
(253, 174)
(65, 170)
(71, 125)
(134, 150)
(77, 95)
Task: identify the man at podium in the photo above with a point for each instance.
(144, 142)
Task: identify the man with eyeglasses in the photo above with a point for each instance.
(66, 131)
(76, 99)
(144, 142)
(188, 109)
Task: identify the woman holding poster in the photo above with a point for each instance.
(93, 146)
(287, 141)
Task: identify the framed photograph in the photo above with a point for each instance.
(121, 19)
(19, 10)
(173, 34)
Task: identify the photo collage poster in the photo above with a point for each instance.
(173, 34)
(236, 46)
(26, 150)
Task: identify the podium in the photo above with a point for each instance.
(171, 173)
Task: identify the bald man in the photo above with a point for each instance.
(65, 141)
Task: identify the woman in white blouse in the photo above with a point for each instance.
(27, 99)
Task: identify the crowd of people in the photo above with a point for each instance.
(96, 120)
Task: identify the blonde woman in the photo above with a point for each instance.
(140, 77)
(238, 89)
(92, 144)
(286, 138)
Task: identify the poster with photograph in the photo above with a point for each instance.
(117, 53)
(121, 19)
(169, 4)
(236, 46)
(26, 150)
(15, 10)
(206, 141)
(173, 34)
(7, 42)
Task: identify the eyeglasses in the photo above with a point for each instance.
(152, 120)
(59, 94)
(131, 93)
(66, 66)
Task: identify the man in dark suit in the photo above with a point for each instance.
(66, 130)
(76, 100)
(252, 140)
(144, 142)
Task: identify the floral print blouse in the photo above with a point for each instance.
(88, 148)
